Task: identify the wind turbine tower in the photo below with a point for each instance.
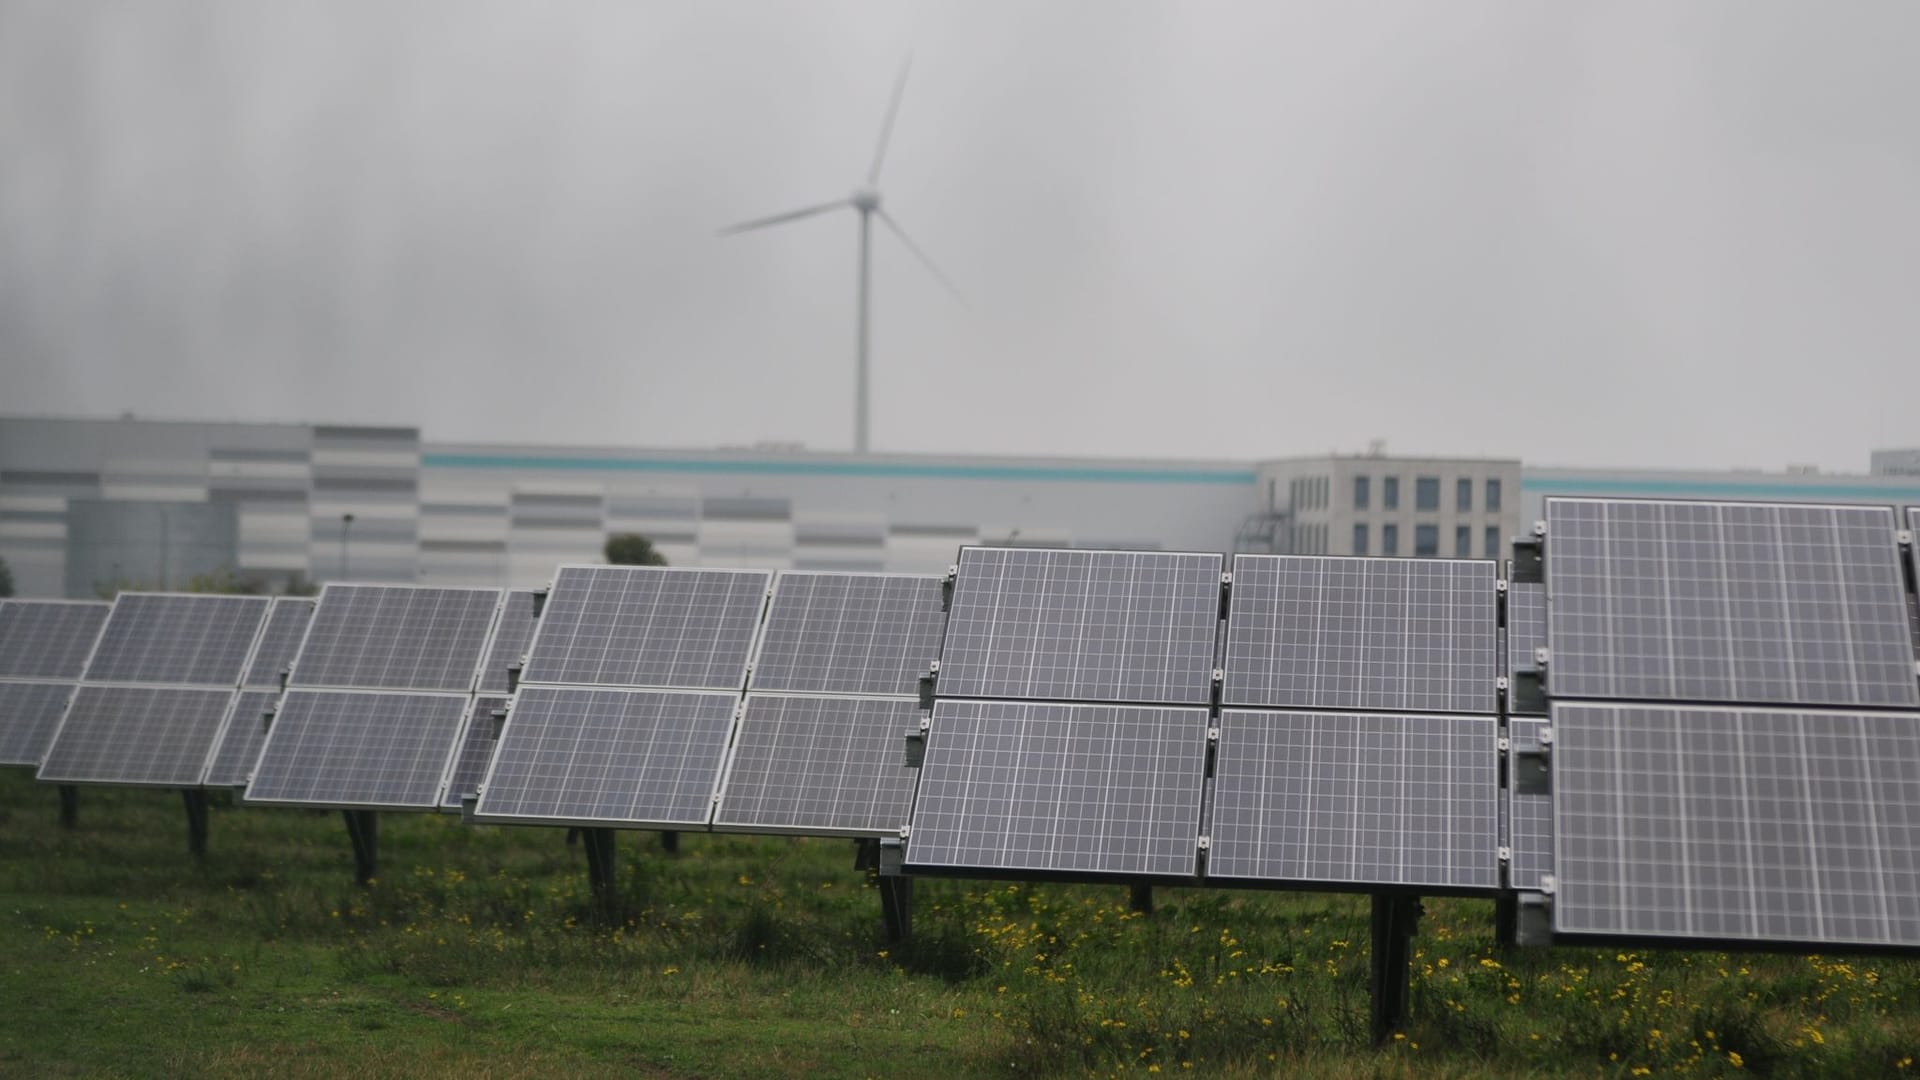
(865, 201)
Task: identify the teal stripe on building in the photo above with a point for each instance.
(1722, 489)
(849, 469)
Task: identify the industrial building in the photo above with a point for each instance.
(87, 505)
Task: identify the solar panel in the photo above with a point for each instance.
(1047, 623)
(819, 765)
(279, 642)
(1526, 624)
(1727, 602)
(510, 637)
(1913, 530)
(592, 757)
(476, 750)
(396, 637)
(358, 749)
(849, 633)
(136, 735)
(239, 745)
(1356, 799)
(1737, 824)
(29, 713)
(48, 639)
(648, 626)
(1356, 633)
(1111, 790)
(177, 639)
(1529, 819)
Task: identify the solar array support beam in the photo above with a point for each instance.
(1395, 916)
(363, 829)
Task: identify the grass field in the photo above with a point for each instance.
(475, 954)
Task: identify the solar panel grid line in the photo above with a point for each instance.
(1529, 818)
(840, 632)
(49, 639)
(507, 642)
(609, 756)
(1094, 790)
(470, 761)
(281, 635)
(237, 748)
(363, 749)
(136, 735)
(30, 712)
(630, 627)
(396, 637)
(1728, 602)
(176, 639)
(1310, 797)
(1082, 625)
(1782, 826)
(1340, 632)
(815, 765)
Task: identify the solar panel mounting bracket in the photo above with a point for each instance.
(927, 683)
(1529, 557)
(1531, 765)
(1533, 924)
(946, 586)
(1226, 594)
(916, 751)
(540, 599)
(893, 854)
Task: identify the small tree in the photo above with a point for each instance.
(632, 549)
(6, 579)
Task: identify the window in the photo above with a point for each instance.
(1294, 501)
(1390, 493)
(1463, 496)
(1463, 541)
(1493, 494)
(1426, 541)
(1359, 538)
(1493, 542)
(1271, 494)
(1426, 493)
(1389, 538)
(1361, 491)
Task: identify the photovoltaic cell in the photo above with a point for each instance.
(579, 756)
(240, 743)
(396, 637)
(136, 735)
(1727, 602)
(820, 765)
(358, 749)
(648, 626)
(1526, 635)
(279, 642)
(476, 752)
(29, 713)
(1529, 819)
(1056, 788)
(177, 639)
(1737, 824)
(849, 633)
(1110, 626)
(48, 639)
(1356, 633)
(510, 637)
(1358, 799)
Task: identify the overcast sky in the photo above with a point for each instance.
(1609, 234)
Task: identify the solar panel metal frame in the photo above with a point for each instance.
(909, 706)
(1775, 943)
(479, 719)
(1581, 685)
(295, 681)
(756, 667)
(82, 656)
(1520, 649)
(279, 729)
(1459, 695)
(1492, 885)
(480, 816)
(270, 680)
(1529, 838)
(239, 717)
(956, 680)
(545, 626)
(14, 734)
(216, 728)
(490, 659)
(1198, 715)
(262, 605)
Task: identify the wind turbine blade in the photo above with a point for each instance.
(791, 215)
(922, 256)
(886, 128)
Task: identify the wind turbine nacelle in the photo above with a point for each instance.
(866, 200)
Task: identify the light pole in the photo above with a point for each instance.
(346, 526)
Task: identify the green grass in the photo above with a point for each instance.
(476, 954)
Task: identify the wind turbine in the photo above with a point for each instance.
(866, 201)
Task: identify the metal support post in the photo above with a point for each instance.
(363, 828)
(600, 869)
(1394, 919)
(196, 802)
(1140, 899)
(69, 806)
